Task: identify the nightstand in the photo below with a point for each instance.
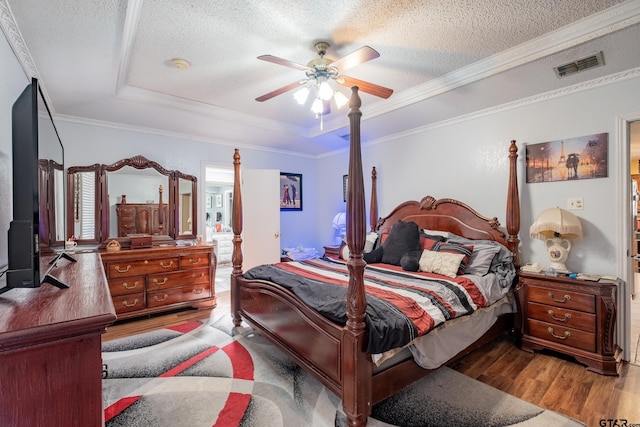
(571, 316)
(332, 251)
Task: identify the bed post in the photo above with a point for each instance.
(236, 222)
(373, 207)
(356, 367)
(513, 205)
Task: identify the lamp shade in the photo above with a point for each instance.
(556, 222)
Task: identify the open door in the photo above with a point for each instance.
(261, 217)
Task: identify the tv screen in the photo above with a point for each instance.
(38, 191)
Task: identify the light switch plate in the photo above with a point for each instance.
(575, 203)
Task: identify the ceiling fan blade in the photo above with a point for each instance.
(361, 55)
(367, 87)
(280, 91)
(285, 62)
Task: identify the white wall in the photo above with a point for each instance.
(88, 144)
(467, 160)
(12, 83)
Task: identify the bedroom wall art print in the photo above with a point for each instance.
(576, 158)
(290, 191)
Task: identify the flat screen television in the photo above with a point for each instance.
(38, 192)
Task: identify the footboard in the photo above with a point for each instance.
(308, 338)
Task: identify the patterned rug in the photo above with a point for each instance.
(210, 374)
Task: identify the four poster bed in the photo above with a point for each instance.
(318, 311)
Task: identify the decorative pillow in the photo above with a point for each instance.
(410, 262)
(455, 248)
(481, 258)
(444, 234)
(374, 256)
(403, 239)
(344, 252)
(444, 263)
(370, 243)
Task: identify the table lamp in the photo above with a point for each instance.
(555, 227)
(340, 227)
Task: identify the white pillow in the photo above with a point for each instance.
(444, 263)
(370, 242)
(436, 233)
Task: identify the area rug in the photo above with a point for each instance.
(211, 374)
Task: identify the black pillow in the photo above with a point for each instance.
(411, 261)
(404, 238)
(373, 256)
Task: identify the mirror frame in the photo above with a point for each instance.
(71, 198)
(102, 198)
(48, 231)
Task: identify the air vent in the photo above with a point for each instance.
(590, 61)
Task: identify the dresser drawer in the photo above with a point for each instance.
(562, 298)
(195, 260)
(175, 295)
(127, 303)
(144, 266)
(562, 335)
(178, 278)
(563, 317)
(126, 285)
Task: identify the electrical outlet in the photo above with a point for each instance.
(575, 203)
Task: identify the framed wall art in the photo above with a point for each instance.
(568, 159)
(290, 191)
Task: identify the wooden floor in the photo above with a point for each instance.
(546, 380)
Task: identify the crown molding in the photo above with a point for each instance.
(16, 41)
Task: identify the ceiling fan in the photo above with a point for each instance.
(320, 71)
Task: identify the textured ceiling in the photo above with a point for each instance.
(109, 61)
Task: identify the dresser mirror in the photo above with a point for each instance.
(83, 209)
(131, 196)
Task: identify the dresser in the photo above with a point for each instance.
(50, 348)
(571, 316)
(157, 279)
(142, 218)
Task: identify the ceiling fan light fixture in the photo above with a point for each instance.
(317, 106)
(324, 91)
(340, 99)
(301, 95)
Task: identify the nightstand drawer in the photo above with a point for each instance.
(562, 335)
(563, 317)
(562, 298)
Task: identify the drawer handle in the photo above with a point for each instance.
(567, 334)
(567, 316)
(197, 291)
(133, 304)
(157, 282)
(164, 297)
(565, 299)
(123, 271)
(126, 285)
(194, 261)
(166, 266)
(200, 276)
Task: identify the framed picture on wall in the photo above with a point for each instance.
(209, 201)
(568, 159)
(290, 191)
(218, 200)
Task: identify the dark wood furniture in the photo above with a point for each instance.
(175, 220)
(336, 355)
(571, 316)
(50, 348)
(153, 280)
(142, 218)
(332, 251)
